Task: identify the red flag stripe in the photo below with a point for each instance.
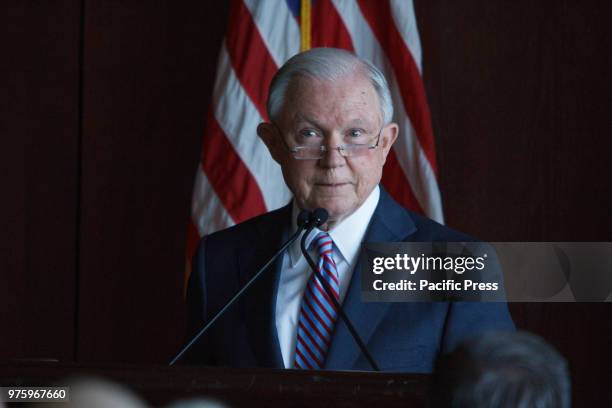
(378, 16)
(406, 23)
(193, 238)
(328, 29)
(238, 116)
(278, 28)
(239, 194)
(207, 211)
(249, 56)
(395, 182)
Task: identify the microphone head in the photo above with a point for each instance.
(303, 217)
(319, 217)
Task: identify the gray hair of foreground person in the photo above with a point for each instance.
(93, 392)
(326, 64)
(501, 370)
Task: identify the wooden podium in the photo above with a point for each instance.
(160, 385)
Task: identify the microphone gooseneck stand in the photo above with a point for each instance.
(320, 216)
(304, 220)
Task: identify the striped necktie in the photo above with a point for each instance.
(317, 313)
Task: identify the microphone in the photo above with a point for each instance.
(319, 217)
(304, 220)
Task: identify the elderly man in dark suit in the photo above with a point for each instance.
(330, 130)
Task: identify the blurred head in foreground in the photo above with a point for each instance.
(100, 393)
(500, 370)
(198, 403)
(330, 129)
(90, 392)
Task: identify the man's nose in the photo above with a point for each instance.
(332, 157)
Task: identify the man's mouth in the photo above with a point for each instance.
(332, 185)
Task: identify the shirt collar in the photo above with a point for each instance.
(347, 235)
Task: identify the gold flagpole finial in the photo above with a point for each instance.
(305, 25)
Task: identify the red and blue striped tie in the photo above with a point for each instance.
(317, 314)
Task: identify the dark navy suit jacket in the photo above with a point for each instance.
(401, 336)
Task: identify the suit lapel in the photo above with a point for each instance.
(390, 222)
(260, 302)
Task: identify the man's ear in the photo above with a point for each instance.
(268, 133)
(387, 138)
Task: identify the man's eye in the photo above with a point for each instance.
(308, 133)
(356, 133)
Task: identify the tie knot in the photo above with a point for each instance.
(322, 242)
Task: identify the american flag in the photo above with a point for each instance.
(236, 177)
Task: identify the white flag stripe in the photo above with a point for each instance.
(207, 211)
(277, 26)
(405, 21)
(410, 155)
(238, 117)
(418, 171)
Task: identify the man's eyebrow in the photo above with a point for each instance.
(356, 122)
(299, 118)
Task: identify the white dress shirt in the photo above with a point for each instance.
(295, 272)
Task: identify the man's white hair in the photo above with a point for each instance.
(328, 64)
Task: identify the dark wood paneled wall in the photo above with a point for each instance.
(39, 180)
(102, 114)
(148, 69)
(519, 93)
